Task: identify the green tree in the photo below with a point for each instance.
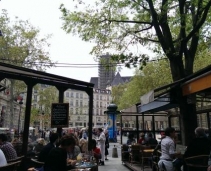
(47, 96)
(21, 45)
(170, 28)
(155, 74)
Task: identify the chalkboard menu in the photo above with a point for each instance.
(59, 115)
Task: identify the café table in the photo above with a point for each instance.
(87, 165)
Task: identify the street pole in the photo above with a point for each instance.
(20, 103)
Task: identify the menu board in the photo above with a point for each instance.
(59, 115)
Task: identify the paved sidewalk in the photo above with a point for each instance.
(113, 164)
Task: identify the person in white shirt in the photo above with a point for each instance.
(168, 150)
(101, 140)
(3, 160)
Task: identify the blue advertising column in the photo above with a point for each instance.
(112, 131)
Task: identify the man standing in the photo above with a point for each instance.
(101, 141)
(168, 150)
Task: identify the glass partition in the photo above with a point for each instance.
(202, 120)
(175, 123)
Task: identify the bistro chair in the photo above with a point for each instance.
(146, 155)
(124, 153)
(155, 159)
(196, 163)
(15, 160)
(134, 154)
(37, 164)
(11, 166)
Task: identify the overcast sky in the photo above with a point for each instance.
(65, 48)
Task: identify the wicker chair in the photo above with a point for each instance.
(11, 166)
(196, 163)
(36, 163)
(124, 153)
(15, 160)
(134, 155)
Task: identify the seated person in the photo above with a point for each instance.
(7, 148)
(151, 141)
(17, 144)
(96, 151)
(131, 139)
(3, 160)
(200, 145)
(39, 146)
(57, 158)
(73, 152)
(168, 152)
(141, 139)
(83, 144)
(46, 149)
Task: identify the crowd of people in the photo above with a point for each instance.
(171, 159)
(59, 153)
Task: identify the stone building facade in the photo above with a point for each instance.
(79, 100)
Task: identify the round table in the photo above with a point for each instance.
(92, 166)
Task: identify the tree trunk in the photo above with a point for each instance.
(188, 118)
(186, 103)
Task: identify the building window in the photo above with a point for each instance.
(71, 110)
(35, 105)
(72, 94)
(67, 94)
(71, 103)
(35, 98)
(76, 103)
(76, 111)
(81, 95)
(97, 97)
(101, 112)
(81, 103)
(101, 104)
(78, 124)
(80, 112)
(77, 95)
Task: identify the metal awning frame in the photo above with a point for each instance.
(31, 78)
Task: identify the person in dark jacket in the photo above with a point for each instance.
(57, 157)
(45, 151)
(200, 145)
(151, 141)
(106, 144)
